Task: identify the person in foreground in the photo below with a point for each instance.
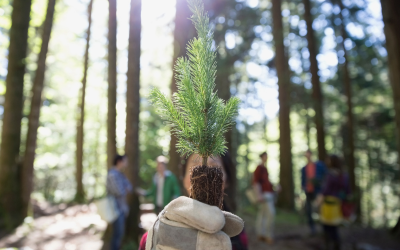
(196, 222)
(118, 186)
(335, 190)
(266, 199)
(312, 176)
(238, 242)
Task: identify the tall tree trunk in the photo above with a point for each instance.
(316, 85)
(132, 116)
(286, 198)
(112, 83)
(391, 19)
(112, 99)
(224, 91)
(36, 104)
(80, 193)
(10, 203)
(184, 31)
(349, 147)
(307, 127)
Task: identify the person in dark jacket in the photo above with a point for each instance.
(312, 176)
(335, 190)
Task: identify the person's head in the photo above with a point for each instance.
(264, 157)
(308, 155)
(120, 161)
(195, 160)
(334, 162)
(161, 165)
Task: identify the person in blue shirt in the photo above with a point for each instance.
(118, 186)
(312, 177)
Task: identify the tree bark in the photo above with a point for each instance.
(36, 104)
(391, 19)
(112, 83)
(316, 85)
(10, 203)
(183, 32)
(286, 198)
(132, 117)
(224, 92)
(80, 193)
(349, 147)
(112, 99)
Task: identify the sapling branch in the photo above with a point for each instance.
(197, 117)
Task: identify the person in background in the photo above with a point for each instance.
(165, 186)
(266, 198)
(312, 176)
(335, 190)
(118, 186)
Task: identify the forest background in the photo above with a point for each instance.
(321, 80)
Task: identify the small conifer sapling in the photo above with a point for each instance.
(197, 117)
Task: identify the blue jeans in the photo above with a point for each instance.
(118, 232)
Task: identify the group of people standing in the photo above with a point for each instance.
(164, 189)
(326, 187)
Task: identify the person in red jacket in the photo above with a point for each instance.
(266, 199)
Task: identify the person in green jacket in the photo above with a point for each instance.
(165, 186)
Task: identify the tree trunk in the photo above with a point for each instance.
(224, 92)
(80, 193)
(316, 85)
(132, 117)
(391, 19)
(183, 32)
(286, 198)
(10, 203)
(36, 104)
(349, 147)
(112, 99)
(112, 83)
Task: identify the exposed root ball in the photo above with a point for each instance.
(207, 185)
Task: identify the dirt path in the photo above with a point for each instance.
(80, 228)
(75, 228)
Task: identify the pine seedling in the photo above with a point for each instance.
(198, 118)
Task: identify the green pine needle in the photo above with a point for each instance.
(196, 115)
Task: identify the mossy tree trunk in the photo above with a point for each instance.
(10, 177)
(349, 146)
(132, 117)
(316, 85)
(80, 193)
(391, 19)
(111, 98)
(112, 83)
(286, 197)
(36, 104)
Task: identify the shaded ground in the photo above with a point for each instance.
(80, 228)
(291, 233)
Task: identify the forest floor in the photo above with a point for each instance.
(80, 228)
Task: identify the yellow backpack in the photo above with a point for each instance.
(331, 212)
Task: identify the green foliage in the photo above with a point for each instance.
(197, 116)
